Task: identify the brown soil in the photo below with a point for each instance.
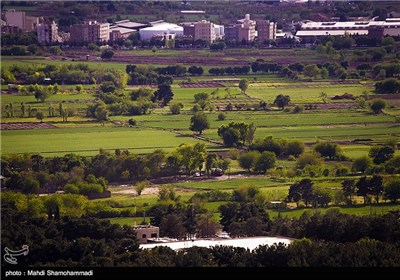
(15, 126)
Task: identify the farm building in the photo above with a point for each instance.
(160, 29)
(145, 232)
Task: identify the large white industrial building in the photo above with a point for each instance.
(160, 29)
(389, 27)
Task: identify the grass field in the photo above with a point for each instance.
(355, 210)
(88, 141)
(360, 210)
(30, 99)
(262, 182)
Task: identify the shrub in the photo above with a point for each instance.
(298, 109)
(221, 116)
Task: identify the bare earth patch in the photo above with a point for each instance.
(15, 126)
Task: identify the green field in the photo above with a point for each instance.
(88, 141)
(355, 210)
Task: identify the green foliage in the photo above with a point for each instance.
(140, 186)
(392, 189)
(243, 85)
(163, 93)
(381, 154)
(199, 122)
(361, 164)
(248, 160)
(107, 54)
(265, 161)
(309, 158)
(40, 116)
(328, 150)
(236, 133)
(282, 100)
(176, 108)
(56, 50)
(221, 116)
(377, 105)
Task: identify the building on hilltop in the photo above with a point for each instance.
(90, 32)
(243, 30)
(266, 30)
(202, 30)
(15, 18)
(47, 32)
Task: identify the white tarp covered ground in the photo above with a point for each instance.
(251, 243)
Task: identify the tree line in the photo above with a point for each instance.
(34, 173)
(89, 242)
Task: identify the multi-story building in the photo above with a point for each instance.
(90, 32)
(47, 32)
(31, 23)
(188, 29)
(243, 30)
(204, 30)
(20, 20)
(266, 30)
(231, 32)
(15, 18)
(247, 29)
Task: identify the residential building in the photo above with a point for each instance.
(243, 30)
(231, 32)
(15, 18)
(145, 232)
(247, 29)
(47, 32)
(204, 30)
(188, 29)
(90, 32)
(31, 23)
(266, 30)
(9, 29)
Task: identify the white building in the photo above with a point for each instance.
(390, 27)
(160, 29)
(219, 31)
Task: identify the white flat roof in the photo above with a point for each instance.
(250, 243)
(163, 26)
(349, 24)
(302, 33)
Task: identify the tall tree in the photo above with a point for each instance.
(282, 100)
(163, 93)
(349, 189)
(199, 122)
(376, 186)
(243, 85)
(363, 188)
(392, 189)
(381, 154)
